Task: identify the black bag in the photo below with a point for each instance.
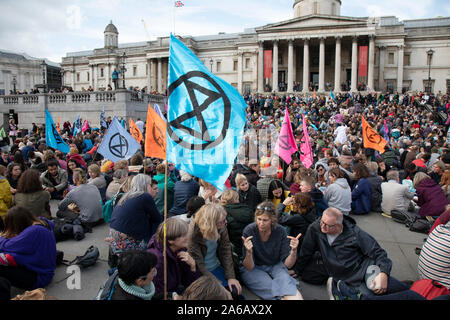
(421, 226)
(106, 291)
(400, 217)
(89, 258)
(315, 271)
(59, 257)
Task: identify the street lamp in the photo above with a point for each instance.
(62, 78)
(430, 55)
(14, 82)
(123, 60)
(211, 61)
(44, 73)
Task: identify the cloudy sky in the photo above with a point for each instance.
(51, 28)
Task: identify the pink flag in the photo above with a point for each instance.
(286, 144)
(306, 156)
(85, 126)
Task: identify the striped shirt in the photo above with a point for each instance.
(434, 260)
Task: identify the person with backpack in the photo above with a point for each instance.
(136, 271)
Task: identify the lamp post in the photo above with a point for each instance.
(211, 61)
(44, 73)
(14, 82)
(123, 60)
(62, 78)
(430, 55)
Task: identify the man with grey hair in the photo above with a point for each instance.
(183, 190)
(358, 267)
(396, 196)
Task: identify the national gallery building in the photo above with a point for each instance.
(318, 49)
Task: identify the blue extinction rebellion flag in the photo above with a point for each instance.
(118, 144)
(52, 137)
(205, 118)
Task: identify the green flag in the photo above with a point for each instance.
(3, 133)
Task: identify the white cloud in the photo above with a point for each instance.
(73, 18)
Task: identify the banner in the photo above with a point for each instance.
(58, 128)
(286, 144)
(118, 144)
(85, 126)
(77, 126)
(52, 137)
(363, 54)
(205, 118)
(268, 64)
(155, 135)
(371, 139)
(306, 155)
(103, 123)
(135, 132)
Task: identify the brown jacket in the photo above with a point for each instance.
(197, 249)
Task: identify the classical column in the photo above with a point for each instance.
(337, 66)
(159, 75)
(73, 79)
(290, 81)
(306, 65)
(371, 62)
(108, 76)
(239, 71)
(381, 68)
(275, 66)
(149, 75)
(261, 67)
(400, 69)
(354, 79)
(92, 76)
(322, 65)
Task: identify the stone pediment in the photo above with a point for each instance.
(314, 21)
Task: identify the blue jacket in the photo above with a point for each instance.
(182, 192)
(362, 197)
(35, 249)
(137, 217)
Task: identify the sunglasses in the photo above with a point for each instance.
(268, 209)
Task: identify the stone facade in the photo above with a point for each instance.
(317, 49)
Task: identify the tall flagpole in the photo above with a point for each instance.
(173, 17)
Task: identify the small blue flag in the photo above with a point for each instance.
(52, 137)
(118, 144)
(103, 123)
(159, 112)
(332, 95)
(122, 122)
(77, 126)
(205, 118)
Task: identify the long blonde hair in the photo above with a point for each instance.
(206, 219)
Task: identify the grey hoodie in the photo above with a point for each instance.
(339, 196)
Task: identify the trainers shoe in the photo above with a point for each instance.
(347, 292)
(333, 291)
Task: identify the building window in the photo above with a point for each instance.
(428, 86)
(407, 59)
(88, 76)
(406, 86)
(390, 84)
(235, 65)
(333, 9)
(78, 77)
(102, 73)
(391, 58)
(247, 63)
(218, 66)
(280, 59)
(146, 69)
(134, 71)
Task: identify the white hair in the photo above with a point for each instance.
(185, 176)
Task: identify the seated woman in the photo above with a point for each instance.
(208, 192)
(96, 177)
(181, 267)
(136, 271)
(268, 253)
(362, 191)
(445, 182)
(31, 195)
(119, 178)
(239, 215)
(205, 288)
(430, 196)
(5, 196)
(210, 246)
(301, 216)
(27, 250)
(338, 193)
(278, 193)
(134, 219)
(71, 166)
(248, 193)
(13, 173)
(308, 185)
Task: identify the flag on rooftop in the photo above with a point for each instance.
(179, 4)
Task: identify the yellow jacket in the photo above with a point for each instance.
(5, 196)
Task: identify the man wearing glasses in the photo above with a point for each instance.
(358, 267)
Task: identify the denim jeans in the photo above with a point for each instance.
(395, 291)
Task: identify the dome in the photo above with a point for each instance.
(321, 7)
(111, 28)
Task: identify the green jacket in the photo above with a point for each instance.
(5, 196)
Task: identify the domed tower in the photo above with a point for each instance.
(111, 36)
(307, 7)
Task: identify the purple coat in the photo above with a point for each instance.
(178, 272)
(432, 200)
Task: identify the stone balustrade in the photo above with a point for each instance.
(67, 106)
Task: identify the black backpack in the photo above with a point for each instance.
(106, 291)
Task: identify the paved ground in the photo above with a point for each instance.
(395, 238)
